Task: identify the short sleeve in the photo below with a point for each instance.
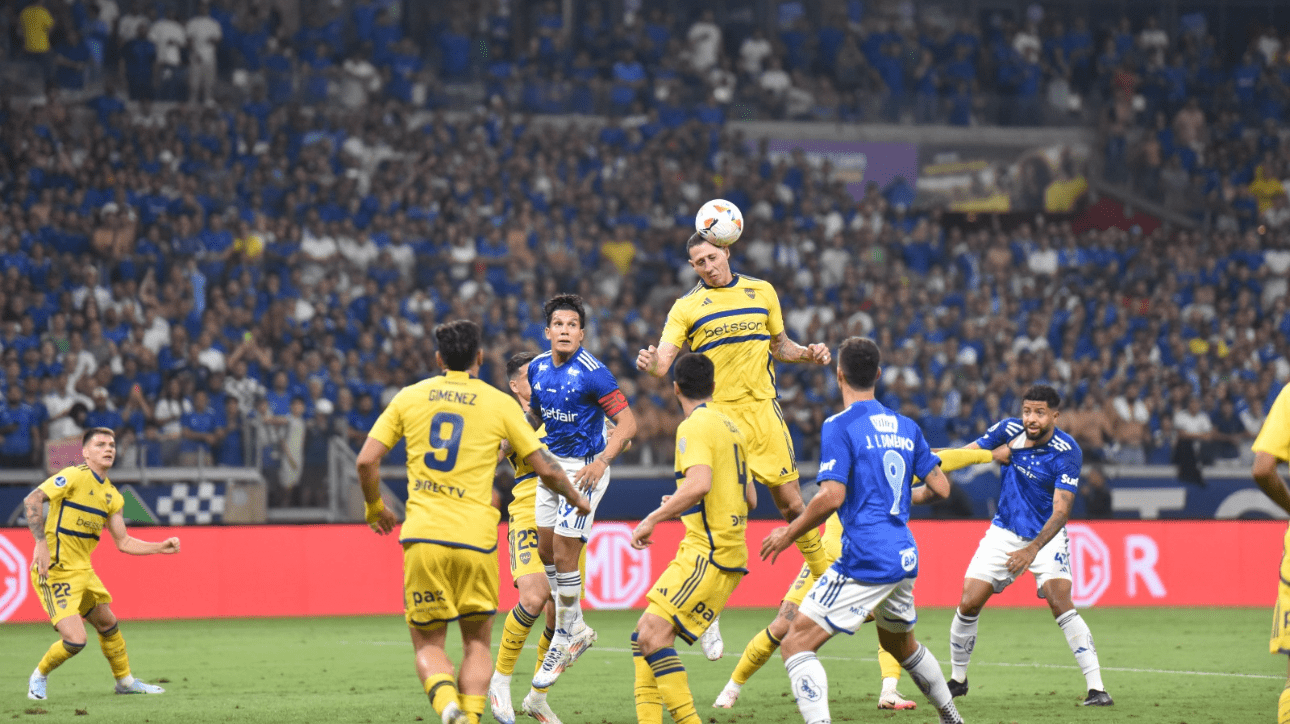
(524, 441)
(388, 429)
(677, 328)
(999, 433)
(836, 457)
(1274, 437)
(1068, 469)
(774, 313)
(117, 504)
(56, 486)
(923, 458)
(693, 445)
(605, 388)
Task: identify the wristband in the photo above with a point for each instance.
(372, 511)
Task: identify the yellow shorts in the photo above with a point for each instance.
(442, 584)
(69, 593)
(691, 593)
(522, 539)
(1281, 614)
(770, 448)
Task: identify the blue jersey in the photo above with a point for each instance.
(1026, 493)
(573, 400)
(875, 453)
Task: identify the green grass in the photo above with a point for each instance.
(360, 670)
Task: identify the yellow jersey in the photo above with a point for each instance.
(1274, 437)
(733, 326)
(80, 503)
(526, 479)
(454, 425)
(719, 521)
(36, 23)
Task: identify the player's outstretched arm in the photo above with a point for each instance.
(657, 360)
(381, 520)
(553, 476)
(698, 481)
(1020, 560)
(935, 487)
(825, 502)
(35, 509)
(1264, 471)
(784, 349)
(127, 543)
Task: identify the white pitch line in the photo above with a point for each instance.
(1129, 670)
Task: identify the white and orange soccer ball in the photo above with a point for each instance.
(719, 222)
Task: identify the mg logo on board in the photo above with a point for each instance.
(617, 574)
(13, 576)
(1090, 565)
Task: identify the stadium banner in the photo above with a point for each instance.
(993, 179)
(338, 570)
(856, 162)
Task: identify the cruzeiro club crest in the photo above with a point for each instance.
(808, 689)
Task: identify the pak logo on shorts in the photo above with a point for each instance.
(808, 689)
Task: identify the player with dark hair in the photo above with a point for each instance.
(70, 591)
(1272, 447)
(735, 320)
(1029, 534)
(454, 425)
(712, 500)
(572, 395)
(869, 456)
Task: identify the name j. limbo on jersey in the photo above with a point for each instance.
(573, 400)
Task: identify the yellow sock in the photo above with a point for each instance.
(673, 684)
(1283, 707)
(543, 644)
(813, 551)
(514, 633)
(888, 664)
(473, 705)
(649, 702)
(442, 690)
(956, 459)
(59, 652)
(113, 645)
(756, 654)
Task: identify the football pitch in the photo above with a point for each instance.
(1162, 666)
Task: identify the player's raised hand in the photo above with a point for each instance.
(170, 545)
(819, 353)
(1001, 455)
(775, 543)
(641, 536)
(647, 358)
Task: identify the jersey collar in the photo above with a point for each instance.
(96, 475)
(456, 376)
(734, 279)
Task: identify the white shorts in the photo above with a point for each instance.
(990, 562)
(838, 603)
(553, 511)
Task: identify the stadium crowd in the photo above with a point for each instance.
(238, 281)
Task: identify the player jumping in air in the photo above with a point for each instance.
(714, 494)
(1029, 534)
(735, 321)
(61, 573)
(868, 458)
(1271, 447)
(572, 394)
(454, 425)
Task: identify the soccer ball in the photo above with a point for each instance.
(719, 222)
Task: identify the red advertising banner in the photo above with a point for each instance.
(348, 570)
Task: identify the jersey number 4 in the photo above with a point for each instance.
(443, 447)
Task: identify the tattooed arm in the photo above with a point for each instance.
(784, 349)
(35, 508)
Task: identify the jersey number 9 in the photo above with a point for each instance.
(443, 450)
(893, 466)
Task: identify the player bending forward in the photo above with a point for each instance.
(1029, 533)
(69, 588)
(1270, 447)
(763, 645)
(869, 456)
(454, 425)
(736, 321)
(712, 500)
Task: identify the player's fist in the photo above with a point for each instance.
(170, 545)
(1001, 455)
(647, 358)
(819, 353)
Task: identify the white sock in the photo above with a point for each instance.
(925, 672)
(39, 675)
(550, 578)
(734, 686)
(962, 641)
(568, 609)
(889, 684)
(127, 680)
(810, 686)
(1080, 640)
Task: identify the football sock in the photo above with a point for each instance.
(59, 652)
(568, 609)
(550, 578)
(890, 669)
(1283, 707)
(442, 690)
(962, 641)
(810, 686)
(925, 672)
(113, 645)
(813, 551)
(952, 460)
(473, 705)
(1080, 640)
(674, 684)
(756, 654)
(649, 702)
(543, 644)
(514, 633)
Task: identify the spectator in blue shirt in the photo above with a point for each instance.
(20, 429)
(72, 59)
(102, 415)
(200, 427)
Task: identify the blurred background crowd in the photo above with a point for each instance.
(228, 228)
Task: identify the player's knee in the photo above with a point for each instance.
(74, 644)
(649, 641)
(534, 601)
(969, 606)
